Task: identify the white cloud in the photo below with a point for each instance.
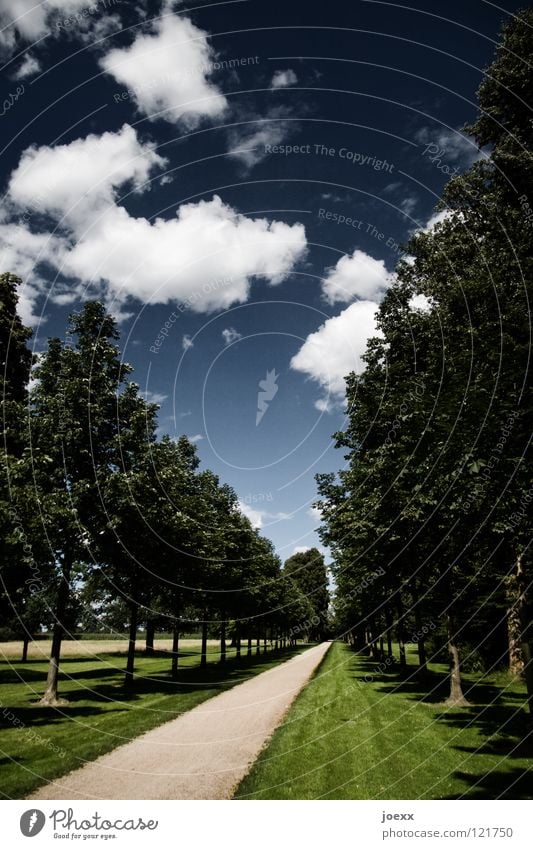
(449, 146)
(254, 516)
(259, 517)
(20, 251)
(283, 79)
(356, 276)
(153, 397)
(81, 178)
(29, 65)
(315, 513)
(187, 343)
(167, 71)
(205, 257)
(336, 348)
(230, 335)
(196, 438)
(31, 20)
(408, 205)
(421, 303)
(248, 143)
(301, 549)
(437, 218)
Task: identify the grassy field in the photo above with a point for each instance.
(38, 744)
(40, 649)
(355, 733)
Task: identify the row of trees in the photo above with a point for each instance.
(102, 520)
(427, 520)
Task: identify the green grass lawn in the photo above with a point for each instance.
(391, 737)
(44, 743)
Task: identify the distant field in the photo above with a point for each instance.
(40, 649)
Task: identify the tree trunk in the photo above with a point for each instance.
(150, 635)
(421, 642)
(258, 645)
(456, 697)
(223, 641)
(50, 697)
(25, 644)
(238, 644)
(388, 621)
(524, 619)
(265, 642)
(374, 642)
(401, 633)
(175, 649)
(388, 624)
(422, 658)
(132, 639)
(516, 661)
(249, 653)
(203, 657)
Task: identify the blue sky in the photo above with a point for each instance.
(235, 180)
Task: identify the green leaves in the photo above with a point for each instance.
(433, 473)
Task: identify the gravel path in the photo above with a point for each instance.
(202, 754)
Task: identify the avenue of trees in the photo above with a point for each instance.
(428, 518)
(104, 524)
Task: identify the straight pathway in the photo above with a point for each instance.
(202, 754)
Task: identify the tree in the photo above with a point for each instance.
(20, 612)
(73, 449)
(308, 570)
(436, 479)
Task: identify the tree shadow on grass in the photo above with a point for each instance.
(489, 702)
(430, 687)
(109, 686)
(507, 721)
(33, 716)
(513, 783)
(214, 676)
(496, 713)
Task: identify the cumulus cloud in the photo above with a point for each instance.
(168, 72)
(230, 335)
(336, 349)
(29, 65)
(259, 517)
(408, 205)
(187, 343)
(356, 276)
(196, 438)
(20, 251)
(80, 178)
(248, 143)
(450, 146)
(254, 516)
(205, 257)
(153, 397)
(283, 79)
(436, 218)
(32, 21)
(420, 303)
